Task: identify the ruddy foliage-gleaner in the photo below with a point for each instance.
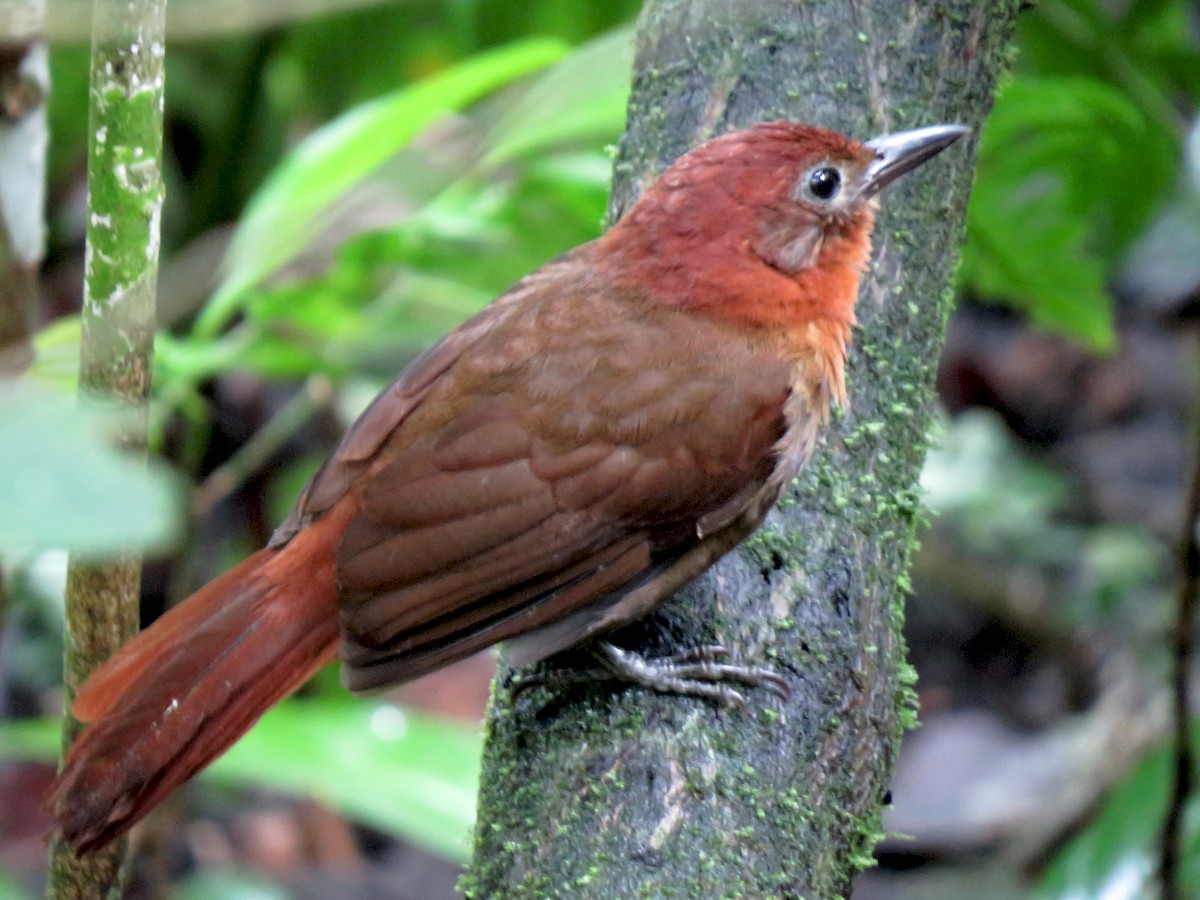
(553, 468)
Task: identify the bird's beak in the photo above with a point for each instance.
(902, 152)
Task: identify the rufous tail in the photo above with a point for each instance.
(180, 693)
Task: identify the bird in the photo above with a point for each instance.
(552, 469)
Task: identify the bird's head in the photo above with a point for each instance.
(768, 224)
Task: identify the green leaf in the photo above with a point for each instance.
(1117, 854)
(56, 353)
(403, 772)
(284, 214)
(400, 771)
(65, 486)
(10, 890)
(1033, 256)
(393, 291)
(1141, 11)
(229, 884)
(1054, 204)
(579, 98)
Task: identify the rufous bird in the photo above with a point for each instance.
(553, 468)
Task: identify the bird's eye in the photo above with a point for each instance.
(825, 182)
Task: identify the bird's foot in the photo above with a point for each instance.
(698, 672)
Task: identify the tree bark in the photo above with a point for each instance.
(125, 197)
(618, 792)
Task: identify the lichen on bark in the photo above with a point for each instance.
(612, 792)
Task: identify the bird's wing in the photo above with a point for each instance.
(567, 449)
(387, 412)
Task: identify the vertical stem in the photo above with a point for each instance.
(1188, 575)
(125, 196)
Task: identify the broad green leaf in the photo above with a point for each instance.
(65, 486)
(1140, 11)
(1147, 51)
(581, 97)
(1116, 856)
(284, 214)
(1054, 202)
(389, 293)
(400, 771)
(403, 772)
(1114, 162)
(1047, 271)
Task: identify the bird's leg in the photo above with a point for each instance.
(557, 679)
(693, 673)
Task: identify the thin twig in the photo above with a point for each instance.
(1188, 569)
(255, 453)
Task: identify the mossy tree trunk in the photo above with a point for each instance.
(619, 792)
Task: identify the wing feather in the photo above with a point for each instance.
(446, 641)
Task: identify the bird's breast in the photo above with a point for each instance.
(816, 351)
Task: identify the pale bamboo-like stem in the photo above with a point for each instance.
(125, 198)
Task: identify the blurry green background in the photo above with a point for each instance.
(343, 189)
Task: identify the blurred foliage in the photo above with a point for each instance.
(230, 884)
(1006, 506)
(45, 430)
(401, 165)
(400, 771)
(522, 194)
(1116, 855)
(283, 215)
(10, 890)
(1082, 148)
